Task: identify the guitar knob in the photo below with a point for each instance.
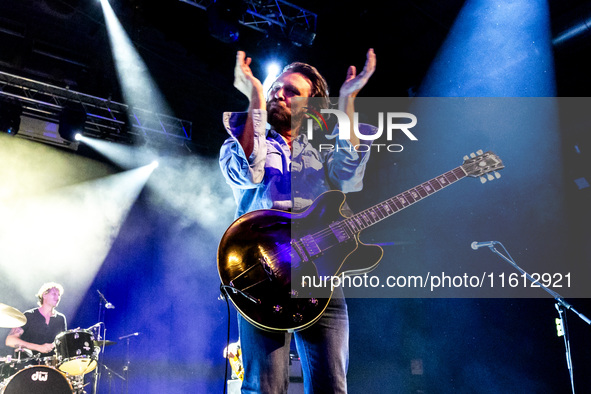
(297, 317)
(277, 309)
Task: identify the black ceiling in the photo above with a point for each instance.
(64, 42)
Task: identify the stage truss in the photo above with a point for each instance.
(105, 119)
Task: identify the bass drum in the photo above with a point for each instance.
(39, 380)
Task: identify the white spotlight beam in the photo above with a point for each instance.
(124, 156)
(65, 235)
(138, 88)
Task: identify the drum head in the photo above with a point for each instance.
(38, 380)
(78, 366)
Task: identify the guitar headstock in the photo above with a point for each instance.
(481, 164)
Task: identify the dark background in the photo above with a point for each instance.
(160, 272)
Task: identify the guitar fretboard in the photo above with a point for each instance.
(378, 212)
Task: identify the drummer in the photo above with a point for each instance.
(43, 323)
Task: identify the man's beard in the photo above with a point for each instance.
(282, 120)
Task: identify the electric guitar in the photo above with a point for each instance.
(264, 254)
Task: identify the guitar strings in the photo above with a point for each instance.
(366, 218)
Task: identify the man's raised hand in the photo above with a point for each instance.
(246, 82)
(355, 82)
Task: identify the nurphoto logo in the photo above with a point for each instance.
(394, 122)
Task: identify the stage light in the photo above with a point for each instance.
(301, 35)
(273, 71)
(10, 115)
(78, 137)
(154, 164)
(71, 121)
(223, 17)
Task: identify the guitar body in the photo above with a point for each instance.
(277, 266)
(265, 254)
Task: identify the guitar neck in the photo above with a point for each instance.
(381, 211)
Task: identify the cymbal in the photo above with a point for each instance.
(11, 317)
(104, 342)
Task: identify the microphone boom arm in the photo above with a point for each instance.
(560, 303)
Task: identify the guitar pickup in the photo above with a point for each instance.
(311, 246)
(338, 229)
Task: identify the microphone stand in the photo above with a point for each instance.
(97, 372)
(110, 373)
(127, 361)
(560, 305)
(101, 314)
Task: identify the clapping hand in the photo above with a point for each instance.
(244, 80)
(355, 82)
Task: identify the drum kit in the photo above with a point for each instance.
(76, 354)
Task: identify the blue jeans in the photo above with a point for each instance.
(323, 349)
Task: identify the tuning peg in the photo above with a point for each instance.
(497, 174)
(466, 157)
(479, 152)
(490, 177)
(472, 155)
(482, 179)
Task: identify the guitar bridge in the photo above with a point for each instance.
(253, 275)
(299, 249)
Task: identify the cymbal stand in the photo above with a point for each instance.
(560, 305)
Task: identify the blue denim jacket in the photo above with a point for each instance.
(266, 178)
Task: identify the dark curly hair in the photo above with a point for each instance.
(319, 85)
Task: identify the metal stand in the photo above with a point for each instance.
(127, 360)
(561, 305)
(110, 374)
(98, 337)
(97, 374)
(564, 327)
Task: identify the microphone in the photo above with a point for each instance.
(135, 334)
(475, 245)
(108, 305)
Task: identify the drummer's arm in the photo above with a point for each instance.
(13, 340)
